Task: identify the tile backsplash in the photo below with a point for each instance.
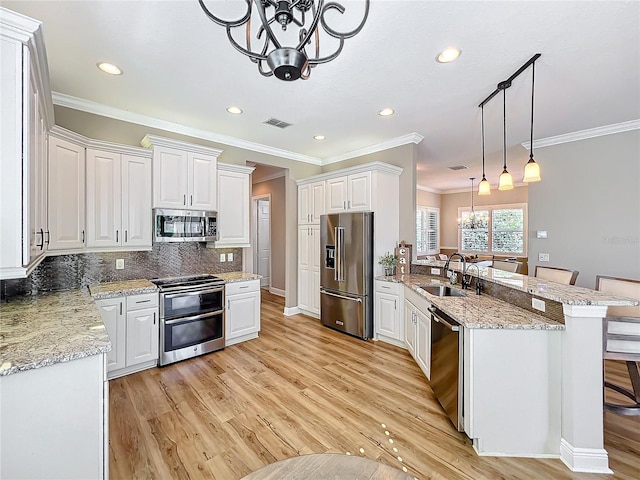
(65, 272)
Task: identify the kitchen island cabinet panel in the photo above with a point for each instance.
(111, 312)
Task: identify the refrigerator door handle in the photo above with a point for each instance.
(359, 300)
(339, 254)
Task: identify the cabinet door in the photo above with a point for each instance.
(304, 204)
(104, 212)
(315, 256)
(113, 318)
(304, 253)
(202, 182)
(142, 336)
(304, 289)
(234, 206)
(317, 201)
(336, 192)
(136, 201)
(359, 191)
(410, 328)
(314, 292)
(169, 178)
(387, 315)
(423, 343)
(66, 195)
(242, 315)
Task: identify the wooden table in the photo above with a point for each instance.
(331, 466)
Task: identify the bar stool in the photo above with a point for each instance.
(556, 274)
(621, 339)
(514, 267)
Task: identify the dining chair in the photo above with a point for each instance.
(556, 274)
(513, 267)
(621, 339)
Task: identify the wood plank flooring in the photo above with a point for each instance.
(302, 388)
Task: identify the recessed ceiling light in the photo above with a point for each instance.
(448, 55)
(234, 110)
(385, 112)
(319, 137)
(109, 68)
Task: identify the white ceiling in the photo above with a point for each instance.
(179, 67)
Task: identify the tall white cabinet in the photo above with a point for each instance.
(26, 116)
(234, 205)
(184, 174)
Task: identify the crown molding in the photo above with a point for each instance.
(364, 167)
(273, 176)
(64, 134)
(150, 141)
(230, 167)
(585, 134)
(379, 147)
(95, 108)
(428, 189)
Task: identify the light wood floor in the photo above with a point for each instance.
(302, 388)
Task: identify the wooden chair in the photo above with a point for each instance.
(556, 274)
(621, 339)
(513, 267)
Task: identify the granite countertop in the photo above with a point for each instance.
(37, 331)
(477, 311)
(121, 289)
(566, 294)
(232, 277)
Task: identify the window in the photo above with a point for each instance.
(502, 230)
(427, 230)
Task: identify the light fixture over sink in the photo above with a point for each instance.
(272, 56)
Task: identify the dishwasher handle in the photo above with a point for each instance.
(436, 316)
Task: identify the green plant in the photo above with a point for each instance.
(388, 260)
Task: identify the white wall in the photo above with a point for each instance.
(589, 203)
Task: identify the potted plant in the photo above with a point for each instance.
(389, 262)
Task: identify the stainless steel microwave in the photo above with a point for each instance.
(184, 226)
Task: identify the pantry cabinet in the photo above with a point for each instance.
(311, 202)
(184, 174)
(118, 199)
(234, 205)
(309, 269)
(26, 117)
(242, 315)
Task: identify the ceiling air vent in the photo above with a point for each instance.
(277, 123)
(459, 167)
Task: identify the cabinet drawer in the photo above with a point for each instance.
(388, 287)
(242, 287)
(137, 302)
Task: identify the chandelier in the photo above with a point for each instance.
(473, 220)
(272, 56)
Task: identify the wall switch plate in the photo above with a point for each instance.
(230, 257)
(543, 257)
(538, 304)
(223, 257)
(435, 271)
(120, 264)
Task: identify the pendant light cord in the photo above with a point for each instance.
(483, 142)
(504, 127)
(533, 80)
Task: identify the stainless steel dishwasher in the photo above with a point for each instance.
(447, 365)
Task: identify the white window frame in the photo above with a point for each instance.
(432, 211)
(490, 209)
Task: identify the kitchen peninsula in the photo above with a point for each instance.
(532, 380)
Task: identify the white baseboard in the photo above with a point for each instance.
(589, 460)
(288, 311)
(277, 291)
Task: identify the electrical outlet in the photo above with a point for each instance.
(223, 257)
(435, 271)
(538, 304)
(543, 257)
(120, 264)
(229, 257)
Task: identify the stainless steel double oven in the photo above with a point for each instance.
(191, 317)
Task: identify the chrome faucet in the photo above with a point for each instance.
(464, 268)
(467, 283)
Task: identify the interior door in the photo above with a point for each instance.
(264, 241)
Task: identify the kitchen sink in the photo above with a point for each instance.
(442, 290)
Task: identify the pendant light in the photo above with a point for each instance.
(532, 169)
(484, 188)
(474, 220)
(505, 182)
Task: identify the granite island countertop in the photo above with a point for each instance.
(42, 330)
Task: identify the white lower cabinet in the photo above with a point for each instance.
(242, 316)
(132, 323)
(417, 334)
(388, 314)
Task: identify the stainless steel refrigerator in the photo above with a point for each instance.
(346, 273)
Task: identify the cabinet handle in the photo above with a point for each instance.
(395, 304)
(348, 204)
(120, 308)
(184, 199)
(48, 237)
(41, 245)
(191, 199)
(385, 286)
(143, 301)
(344, 205)
(126, 236)
(154, 318)
(244, 286)
(116, 236)
(228, 305)
(82, 236)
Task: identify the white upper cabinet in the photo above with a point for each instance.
(350, 193)
(336, 195)
(311, 202)
(66, 195)
(234, 205)
(184, 174)
(118, 199)
(27, 115)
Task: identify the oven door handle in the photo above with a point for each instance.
(192, 292)
(195, 317)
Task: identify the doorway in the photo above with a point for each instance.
(262, 238)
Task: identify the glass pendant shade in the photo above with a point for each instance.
(484, 187)
(506, 182)
(531, 171)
